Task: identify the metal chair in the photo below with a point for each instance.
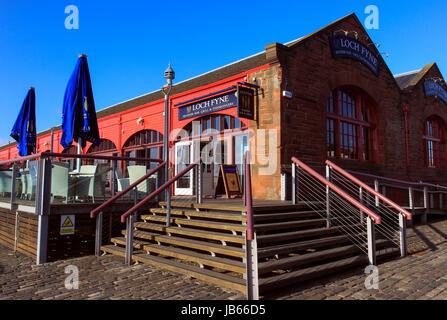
(92, 180)
(60, 181)
(145, 187)
(5, 182)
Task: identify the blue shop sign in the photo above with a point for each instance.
(433, 88)
(214, 104)
(345, 47)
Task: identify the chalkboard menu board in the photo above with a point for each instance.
(228, 181)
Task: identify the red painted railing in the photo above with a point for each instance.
(369, 189)
(129, 188)
(159, 190)
(376, 218)
(77, 156)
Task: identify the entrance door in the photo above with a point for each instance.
(183, 157)
(240, 148)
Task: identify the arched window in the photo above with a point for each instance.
(105, 146)
(434, 143)
(144, 144)
(350, 125)
(71, 161)
(219, 123)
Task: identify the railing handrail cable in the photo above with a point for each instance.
(369, 189)
(376, 218)
(121, 193)
(81, 156)
(411, 183)
(160, 189)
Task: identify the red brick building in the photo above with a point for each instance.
(313, 102)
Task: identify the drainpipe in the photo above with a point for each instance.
(405, 109)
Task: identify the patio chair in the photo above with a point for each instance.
(59, 181)
(135, 173)
(122, 182)
(31, 180)
(92, 180)
(23, 182)
(5, 182)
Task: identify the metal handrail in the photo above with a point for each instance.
(421, 183)
(80, 156)
(30, 157)
(129, 188)
(159, 190)
(376, 218)
(369, 189)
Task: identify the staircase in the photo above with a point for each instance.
(295, 246)
(207, 242)
(204, 241)
(327, 230)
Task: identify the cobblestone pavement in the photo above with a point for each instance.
(99, 278)
(421, 275)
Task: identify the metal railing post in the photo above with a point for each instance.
(328, 198)
(98, 234)
(426, 206)
(14, 186)
(371, 241)
(432, 201)
(376, 188)
(199, 182)
(43, 201)
(129, 239)
(411, 199)
(283, 186)
(160, 181)
(168, 204)
(251, 250)
(252, 268)
(113, 177)
(16, 231)
(294, 186)
(440, 200)
(362, 202)
(403, 234)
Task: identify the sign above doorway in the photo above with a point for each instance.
(234, 96)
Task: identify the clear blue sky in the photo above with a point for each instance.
(129, 43)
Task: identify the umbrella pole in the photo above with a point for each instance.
(78, 161)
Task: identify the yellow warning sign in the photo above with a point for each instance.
(67, 225)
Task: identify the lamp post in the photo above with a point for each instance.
(169, 76)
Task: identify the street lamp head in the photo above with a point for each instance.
(169, 75)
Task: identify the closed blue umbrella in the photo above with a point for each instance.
(79, 116)
(24, 129)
